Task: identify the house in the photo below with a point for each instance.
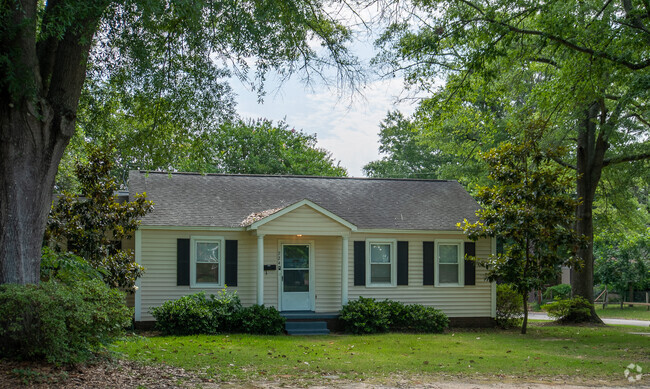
(310, 244)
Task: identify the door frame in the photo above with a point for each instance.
(312, 284)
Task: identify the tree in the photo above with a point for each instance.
(583, 67)
(530, 206)
(93, 223)
(405, 156)
(623, 262)
(160, 46)
(260, 147)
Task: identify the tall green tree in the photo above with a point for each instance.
(159, 47)
(93, 222)
(582, 67)
(530, 206)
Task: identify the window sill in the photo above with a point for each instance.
(450, 286)
(380, 286)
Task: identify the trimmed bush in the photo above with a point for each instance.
(418, 318)
(509, 307)
(367, 316)
(258, 319)
(198, 314)
(60, 323)
(573, 310)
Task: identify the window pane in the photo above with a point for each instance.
(207, 273)
(448, 253)
(380, 253)
(380, 273)
(296, 257)
(207, 252)
(296, 280)
(448, 274)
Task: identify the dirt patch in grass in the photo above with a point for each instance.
(128, 374)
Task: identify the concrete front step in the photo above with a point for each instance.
(306, 328)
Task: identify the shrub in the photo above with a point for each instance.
(365, 316)
(258, 319)
(509, 307)
(187, 315)
(60, 323)
(419, 318)
(558, 292)
(66, 267)
(198, 314)
(573, 310)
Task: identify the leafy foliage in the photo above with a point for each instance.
(91, 223)
(573, 310)
(623, 261)
(258, 319)
(60, 323)
(67, 268)
(223, 313)
(509, 309)
(558, 292)
(530, 206)
(367, 316)
(582, 68)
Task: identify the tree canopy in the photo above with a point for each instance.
(583, 68)
(165, 52)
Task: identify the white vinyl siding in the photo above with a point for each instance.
(467, 301)
(304, 221)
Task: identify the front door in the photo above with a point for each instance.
(295, 277)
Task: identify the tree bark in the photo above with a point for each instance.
(36, 124)
(524, 323)
(590, 156)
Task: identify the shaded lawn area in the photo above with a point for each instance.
(584, 354)
(614, 311)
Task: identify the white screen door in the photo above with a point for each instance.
(296, 292)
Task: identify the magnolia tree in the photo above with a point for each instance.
(93, 223)
(531, 207)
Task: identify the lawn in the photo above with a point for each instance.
(577, 354)
(614, 311)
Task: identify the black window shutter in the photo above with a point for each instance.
(231, 263)
(428, 263)
(470, 266)
(359, 263)
(182, 262)
(402, 263)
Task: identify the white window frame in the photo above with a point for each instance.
(393, 262)
(461, 262)
(222, 248)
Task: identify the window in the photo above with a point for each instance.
(207, 265)
(380, 266)
(449, 263)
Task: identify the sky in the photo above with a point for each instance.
(348, 129)
(346, 126)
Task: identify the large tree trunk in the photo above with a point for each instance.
(28, 164)
(37, 119)
(590, 162)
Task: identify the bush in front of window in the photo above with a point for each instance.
(60, 323)
(368, 316)
(261, 320)
(365, 316)
(509, 307)
(192, 314)
(418, 318)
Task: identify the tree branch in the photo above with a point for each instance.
(562, 163)
(626, 158)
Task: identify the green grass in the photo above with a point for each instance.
(614, 311)
(583, 354)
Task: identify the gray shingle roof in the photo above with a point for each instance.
(218, 200)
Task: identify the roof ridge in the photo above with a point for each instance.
(293, 176)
